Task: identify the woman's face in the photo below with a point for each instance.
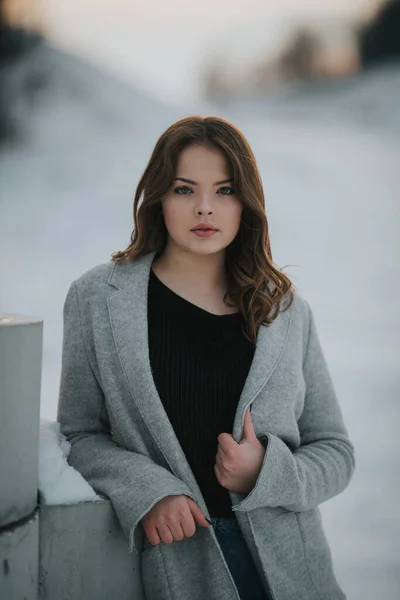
(205, 197)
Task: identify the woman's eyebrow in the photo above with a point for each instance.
(194, 182)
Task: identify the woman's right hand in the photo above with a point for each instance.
(172, 518)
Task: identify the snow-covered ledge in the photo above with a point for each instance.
(59, 483)
(83, 551)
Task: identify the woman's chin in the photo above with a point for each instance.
(206, 249)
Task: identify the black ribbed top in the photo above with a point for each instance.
(200, 362)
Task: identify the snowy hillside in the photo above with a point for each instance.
(369, 99)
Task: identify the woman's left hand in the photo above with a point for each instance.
(238, 466)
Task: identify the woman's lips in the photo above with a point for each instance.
(204, 232)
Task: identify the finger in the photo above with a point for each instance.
(197, 514)
(248, 429)
(223, 450)
(177, 532)
(219, 476)
(218, 473)
(226, 442)
(188, 524)
(152, 535)
(166, 534)
(219, 463)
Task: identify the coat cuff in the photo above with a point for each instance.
(270, 478)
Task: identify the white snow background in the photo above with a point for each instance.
(330, 162)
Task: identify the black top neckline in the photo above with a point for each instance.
(189, 307)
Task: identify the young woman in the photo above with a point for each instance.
(194, 390)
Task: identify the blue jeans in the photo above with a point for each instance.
(239, 559)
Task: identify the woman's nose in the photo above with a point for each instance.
(204, 206)
(204, 211)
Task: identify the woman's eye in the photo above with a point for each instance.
(178, 189)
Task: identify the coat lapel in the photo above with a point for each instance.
(128, 315)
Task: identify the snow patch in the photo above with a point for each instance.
(59, 482)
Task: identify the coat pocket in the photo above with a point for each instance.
(154, 578)
(190, 569)
(318, 554)
(281, 552)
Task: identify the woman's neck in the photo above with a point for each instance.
(199, 274)
(200, 280)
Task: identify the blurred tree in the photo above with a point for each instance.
(215, 79)
(300, 60)
(380, 39)
(16, 81)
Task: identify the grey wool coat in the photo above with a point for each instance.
(124, 445)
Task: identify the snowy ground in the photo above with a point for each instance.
(331, 179)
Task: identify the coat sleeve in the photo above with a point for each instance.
(132, 481)
(322, 466)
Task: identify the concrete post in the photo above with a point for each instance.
(21, 342)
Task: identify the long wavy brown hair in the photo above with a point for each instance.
(256, 285)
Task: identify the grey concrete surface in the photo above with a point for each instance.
(20, 381)
(19, 560)
(84, 555)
